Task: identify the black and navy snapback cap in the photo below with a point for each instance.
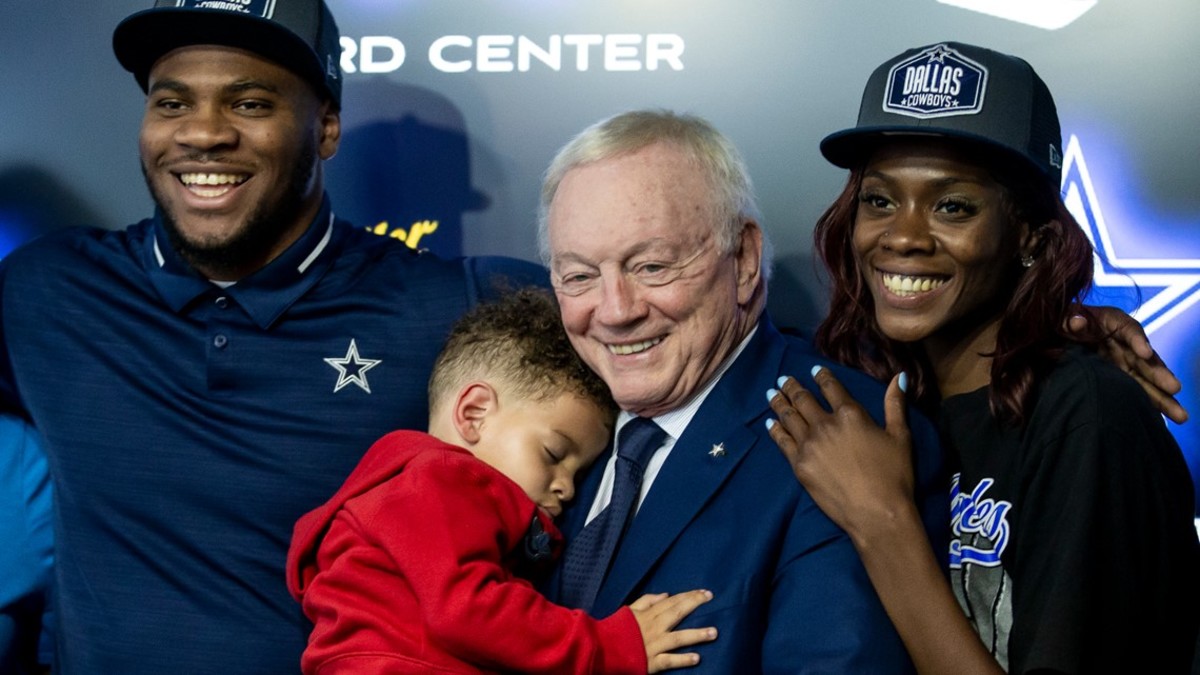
(960, 91)
(299, 35)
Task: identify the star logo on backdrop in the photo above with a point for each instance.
(1177, 281)
(352, 369)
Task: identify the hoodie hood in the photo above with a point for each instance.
(383, 462)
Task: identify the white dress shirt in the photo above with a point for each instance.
(674, 423)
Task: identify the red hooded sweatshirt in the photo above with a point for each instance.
(411, 568)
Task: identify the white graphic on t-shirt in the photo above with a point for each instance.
(352, 368)
(981, 584)
(972, 514)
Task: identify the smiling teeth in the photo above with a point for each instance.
(905, 285)
(211, 184)
(624, 350)
(212, 178)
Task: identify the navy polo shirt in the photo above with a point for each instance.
(189, 426)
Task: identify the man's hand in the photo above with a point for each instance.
(1125, 344)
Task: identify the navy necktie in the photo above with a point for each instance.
(587, 558)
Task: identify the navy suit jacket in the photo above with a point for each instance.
(790, 593)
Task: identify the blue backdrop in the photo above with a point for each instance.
(454, 107)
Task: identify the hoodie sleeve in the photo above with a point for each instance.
(445, 529)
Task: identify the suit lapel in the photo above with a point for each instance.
(705, 456)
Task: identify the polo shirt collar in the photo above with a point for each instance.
(266, 294)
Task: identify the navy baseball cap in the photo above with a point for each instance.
(299, 35)
(956, 90)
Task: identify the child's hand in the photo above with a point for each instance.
(657, 615)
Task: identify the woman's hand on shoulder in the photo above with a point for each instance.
(859, 473)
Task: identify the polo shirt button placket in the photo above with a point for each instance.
(220, 340)
(221, 328)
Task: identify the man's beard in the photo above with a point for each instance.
(261, 232)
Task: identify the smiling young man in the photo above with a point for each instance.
(206, 376)
(231, 147)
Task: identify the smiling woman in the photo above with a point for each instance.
(936, 246)
(955, 268)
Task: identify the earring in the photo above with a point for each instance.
(1027, 261)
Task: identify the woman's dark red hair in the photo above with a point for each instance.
(1032, 329)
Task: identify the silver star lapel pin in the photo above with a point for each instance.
(718, 450)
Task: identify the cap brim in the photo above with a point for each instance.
(143, 38)
(851, 148)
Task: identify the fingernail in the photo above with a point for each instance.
(817, 369)
(770, 424)
(771, 394)
(904, 382)
(782, 379)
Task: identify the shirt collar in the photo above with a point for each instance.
(265, 294)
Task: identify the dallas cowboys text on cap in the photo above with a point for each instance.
(960, 91)
(938, 81)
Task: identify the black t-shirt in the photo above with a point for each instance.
(1074, 547)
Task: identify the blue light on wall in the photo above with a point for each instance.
(14, 231)
(1160, 289)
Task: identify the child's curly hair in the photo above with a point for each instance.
(519, 341)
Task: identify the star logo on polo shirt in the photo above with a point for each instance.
(352, 369)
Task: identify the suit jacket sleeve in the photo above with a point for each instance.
(824, 614)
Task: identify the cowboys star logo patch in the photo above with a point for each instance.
(352, 369)
(937, 82)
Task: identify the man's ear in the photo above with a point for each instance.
(329, 130)
(474, 403)
(747, 254)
